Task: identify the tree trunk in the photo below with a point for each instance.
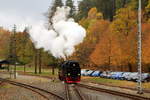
(113, 9)
(35, 61)
(109, 57)
(0, 66)
(124, 3)
(109, 63)
(130, 67)
(53, 70)
(122, 68)
(24, 68)
(39, 61)
(8, 68)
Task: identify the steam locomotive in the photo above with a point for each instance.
(69, 72)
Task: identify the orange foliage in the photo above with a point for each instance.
(93, 14)
(4, 43)
(113, 45)
(146, 43)
(107, 51)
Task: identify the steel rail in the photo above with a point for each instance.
(30, 87)
(67, 92)
(123, 87)
(1, 83)
(26, 88)
(68, 96)
(78, 93)
(126, 95)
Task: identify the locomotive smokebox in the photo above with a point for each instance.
(70, 72)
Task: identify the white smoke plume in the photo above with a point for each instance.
(61, 41)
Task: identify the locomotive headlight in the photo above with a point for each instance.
(68, 74)
(78, 74)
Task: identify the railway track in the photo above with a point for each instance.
(130, 96)
(76, 87)
(135, 97)
(134, 89)
(1, 82)
(123, 87)
(69, 88)
(32, 88)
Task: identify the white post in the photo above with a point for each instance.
(139, 50)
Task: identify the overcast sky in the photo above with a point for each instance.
(22, 12)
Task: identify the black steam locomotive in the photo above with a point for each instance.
(70, 72)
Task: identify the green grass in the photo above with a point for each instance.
(122, 83)
(31, 70)
(43, 73)
(28, 69)
(103, 80)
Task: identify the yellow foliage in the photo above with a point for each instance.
(93, 14)
(147, 11)
(99, 15)
(115, 43)
(125, 21)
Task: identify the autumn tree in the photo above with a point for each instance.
(84, 7)
(147, 12)
(24, 47)
(107, 7)
(121, 3)
(107, 51)
(146, 47)
(123, 27)
(94, 26)
(134, 4)
(4, 43)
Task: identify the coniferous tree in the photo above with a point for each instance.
(52, 10)
(104, 6)
(70, 4)
(107, 7)
(84, 7)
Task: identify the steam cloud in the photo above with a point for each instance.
(61, 41)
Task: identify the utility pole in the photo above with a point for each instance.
(14, 49)
(10, 56)
(139, 50)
